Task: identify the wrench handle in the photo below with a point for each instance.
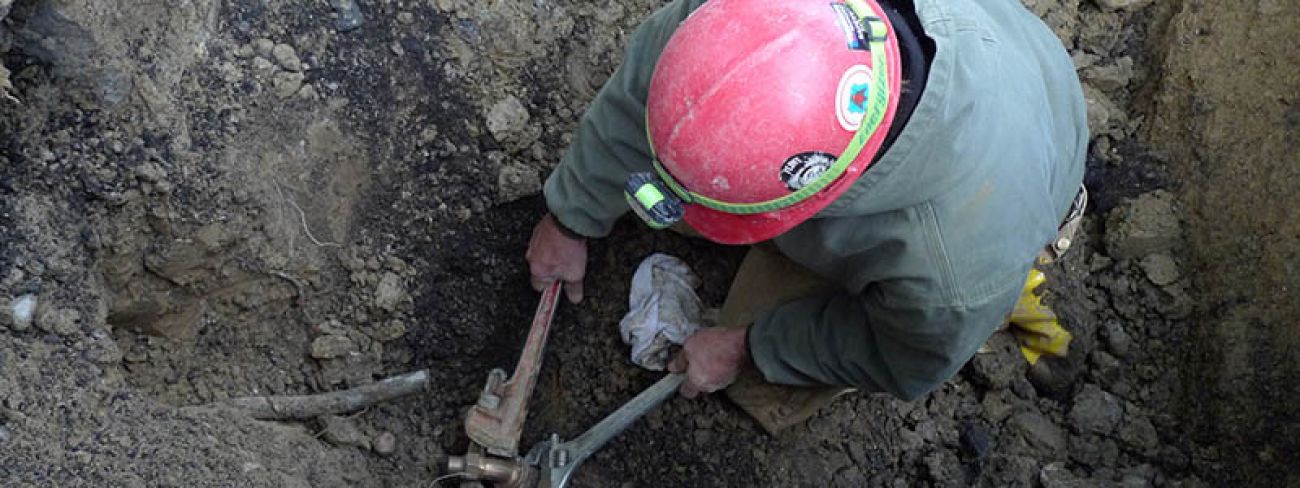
(617, 422)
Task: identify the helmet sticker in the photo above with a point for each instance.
(804, 168)
(851, 97)
(854, 36)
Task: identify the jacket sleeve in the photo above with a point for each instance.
(585, 192)
(871, 342)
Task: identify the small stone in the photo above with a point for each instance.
(1000, 365)
(389, 331)
(104, 351)
(1160, 268)
(1102, 111)
(389, 292)
(262, 65)
(229, 73)
(286, 83)
(244, 52)
(1139, 434)
(150, 173)
(516, 181)
(397, 49)
(384, 444)
(62, 321)
(1144, 225)
(1116, 338)
(307, 92)
(343, 432)
(975, 441)
(263, 47)
(332, 346)
(405, 17)
(508, 121)
(1055, 475)
(1095, 411)
(1110, 78)
(349, 15)
(1038, 431)
(286, 57)
(1123, 4)
(20, 313)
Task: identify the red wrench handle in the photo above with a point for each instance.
(497, 421)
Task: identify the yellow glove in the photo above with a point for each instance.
(1035, 325)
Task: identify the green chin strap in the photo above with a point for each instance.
(659, 199)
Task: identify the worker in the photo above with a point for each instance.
(896, 165)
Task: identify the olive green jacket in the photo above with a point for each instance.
(933, 243)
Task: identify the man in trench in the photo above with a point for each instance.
(897, 166)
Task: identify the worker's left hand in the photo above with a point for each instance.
(711, 359)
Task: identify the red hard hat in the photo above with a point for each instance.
(753, 100)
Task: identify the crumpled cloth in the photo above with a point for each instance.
(664, 310)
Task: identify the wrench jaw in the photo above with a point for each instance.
(553, 461)
(496, 421)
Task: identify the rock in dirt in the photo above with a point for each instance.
(1138, 433)
(286, 57)
(264, 47)
(1116, 338)
(384, 444)
(1123, 4)
(1095, 411)
(1143, 225)
(332, 346)
(1055, 475)
(349, 15)
(342, 431)
(1103, 114)
(516, 181)
(1160, 268)
(507, 120)
(1038, 431)
(1110, 78)
(103, 349)
(1000, 364)
(286, 83)
(975, 441)
(20, 313)
(61, 321)
(388, 331)
(389, 292)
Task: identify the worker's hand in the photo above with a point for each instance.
(554, 255)
(711, 359)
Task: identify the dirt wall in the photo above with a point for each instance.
(1227, 112)
(203, 199)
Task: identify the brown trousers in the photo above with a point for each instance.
(766, 279)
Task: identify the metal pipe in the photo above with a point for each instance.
(505, 473)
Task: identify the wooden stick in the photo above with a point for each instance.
(300, 407)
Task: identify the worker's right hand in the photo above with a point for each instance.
(554, 255)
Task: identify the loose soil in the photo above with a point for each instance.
(212, 199)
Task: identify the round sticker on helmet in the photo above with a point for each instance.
(851, 97)
(802, 169)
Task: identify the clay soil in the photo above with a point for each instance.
(205, 199)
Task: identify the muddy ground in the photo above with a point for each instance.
(202, 199)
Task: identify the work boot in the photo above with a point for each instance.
(777, 407)
(765, 280)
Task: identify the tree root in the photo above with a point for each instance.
(301, 407)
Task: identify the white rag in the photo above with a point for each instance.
(664, 310)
